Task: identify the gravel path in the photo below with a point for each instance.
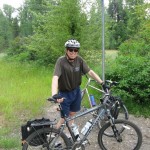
(141, 122)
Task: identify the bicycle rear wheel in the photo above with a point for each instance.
(130, 138)
(46, 139)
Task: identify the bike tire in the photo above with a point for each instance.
(131, 134)
(42, 138)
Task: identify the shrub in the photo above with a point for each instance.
(133, 74)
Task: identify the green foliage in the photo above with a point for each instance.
(90, 57)
(117, 24)
(8, 10)
(139, 44)
(5, 32)
(46, 25)
(18, 50)
(134, 72)
(51, 30)
(137, 16)
(132, 67)
(126, 19)
(15, 27)
(92, 31)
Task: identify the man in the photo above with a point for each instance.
(67, 79)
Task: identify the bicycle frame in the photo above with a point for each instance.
(99, 116)
(85, 90)
(100, 109)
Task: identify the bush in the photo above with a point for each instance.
(132, 67)
(133, 74)
(92, 57)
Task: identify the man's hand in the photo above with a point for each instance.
(58, 98)
(104, 86)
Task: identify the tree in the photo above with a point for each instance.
(25, 19)
(118, 23)
(132, 66)
(8, 11)
(92, 29)
(136, 17)
(5, 30)
(62, 21)
(15, 27)
(2, 31)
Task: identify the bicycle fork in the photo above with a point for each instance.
(114, 128)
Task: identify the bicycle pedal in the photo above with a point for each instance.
(58, 145)
(86, 142)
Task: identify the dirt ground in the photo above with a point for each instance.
(141, 122)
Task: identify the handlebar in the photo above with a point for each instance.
(51, 99)
(112, 83)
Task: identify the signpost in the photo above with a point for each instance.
(103, 42)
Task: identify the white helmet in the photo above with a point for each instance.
(72, 44)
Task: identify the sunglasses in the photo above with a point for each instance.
(71, 50)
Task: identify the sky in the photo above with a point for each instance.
(14, 3)
(17, 3)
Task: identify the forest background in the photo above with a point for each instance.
(34, 39)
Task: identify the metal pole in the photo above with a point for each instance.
(103, 43)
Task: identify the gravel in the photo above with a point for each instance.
(143, 123)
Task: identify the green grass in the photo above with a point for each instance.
(24, 89)
(111, 54)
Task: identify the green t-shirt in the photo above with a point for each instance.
(70, 73)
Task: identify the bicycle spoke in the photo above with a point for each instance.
(129, 137)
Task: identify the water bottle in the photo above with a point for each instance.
(75, 130)
(86, 127)
(92, 99)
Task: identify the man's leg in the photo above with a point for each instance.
(71, 114)
(61, 121)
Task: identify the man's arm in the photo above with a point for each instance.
(93, 75)
(54, 85)
(55, 88)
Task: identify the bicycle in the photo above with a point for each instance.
(116, 105)
(122, 130)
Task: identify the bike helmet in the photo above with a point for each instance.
(72, 44)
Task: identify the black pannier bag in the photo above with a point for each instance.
(32, 126)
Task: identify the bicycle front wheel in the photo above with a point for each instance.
(47, 139)
(130, 138)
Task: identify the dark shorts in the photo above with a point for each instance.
(72, 101)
